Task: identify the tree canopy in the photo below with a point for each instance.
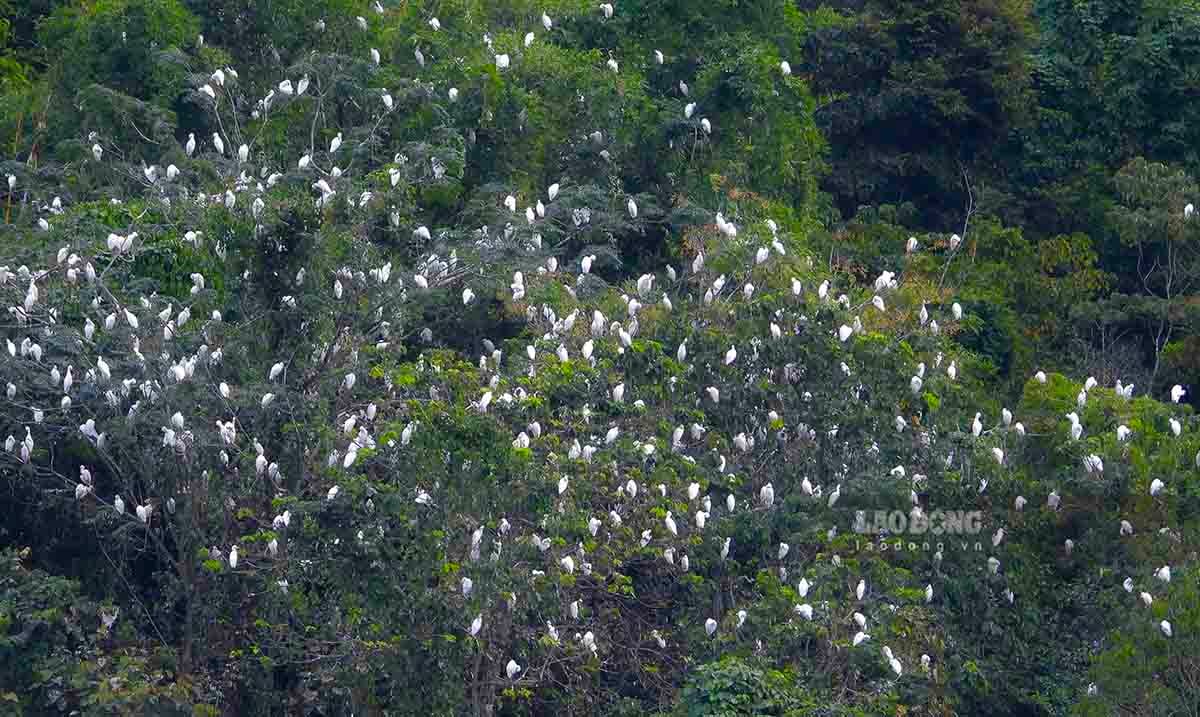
(644, 358)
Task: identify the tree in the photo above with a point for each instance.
(1152, 220)
(917, 94)
(383, 398)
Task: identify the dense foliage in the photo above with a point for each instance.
(503, 358)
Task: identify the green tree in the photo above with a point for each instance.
(916, 97)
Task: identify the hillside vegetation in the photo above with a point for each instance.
(489, 357)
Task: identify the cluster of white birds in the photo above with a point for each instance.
(609, 431)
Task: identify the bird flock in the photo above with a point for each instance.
(647, 423)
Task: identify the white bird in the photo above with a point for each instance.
(767, 495)
(1165, 626)
(785, 68)
(1177, 393)
(512, 669)
(669, 521)
(233, 558)
(710, 626)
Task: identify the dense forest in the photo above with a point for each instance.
(641, 357)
